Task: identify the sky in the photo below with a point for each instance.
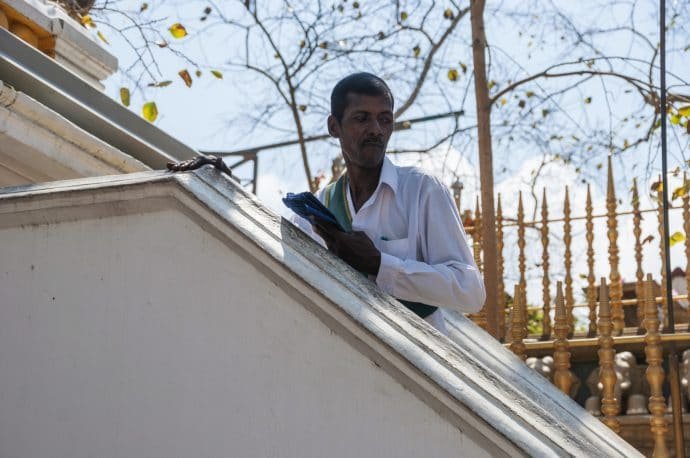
(215, 114)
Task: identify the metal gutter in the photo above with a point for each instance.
(30, 71)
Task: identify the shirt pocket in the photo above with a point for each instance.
(397, 248)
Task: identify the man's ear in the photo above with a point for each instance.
(333, 127)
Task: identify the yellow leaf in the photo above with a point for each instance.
(657, 186)
(161, 84)
(177, 30)
(675, 119)
(323, 45)
(529, 94)
(676, 237)
(416, 51)
(144, 6)
(453, 74)
(302, 108)
(588, 100)
(86, 21)
(680, 191)
(186, 77)
(124, 96)
(217, 74)
(403, 15)
(448, 14)
(302, 43)
(503, 101)
(149, 111)
(100, 35)
(684, 111)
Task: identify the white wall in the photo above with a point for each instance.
(143, 335)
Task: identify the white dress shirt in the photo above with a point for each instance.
(412, 220)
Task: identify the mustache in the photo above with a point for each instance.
(374, 141)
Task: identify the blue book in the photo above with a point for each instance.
(305, 204)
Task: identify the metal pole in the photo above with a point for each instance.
(674, 378)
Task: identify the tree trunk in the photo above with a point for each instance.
(488, 226)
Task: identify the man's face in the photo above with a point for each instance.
(364, 131)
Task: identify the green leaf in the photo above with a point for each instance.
(403, 15)
(416, 51)
(217, 74)
(102, 37)
(149, 111)
(161, 84)
(124, 96)
(588, 100)
(144, 6)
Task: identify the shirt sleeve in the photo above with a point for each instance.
(447, 275)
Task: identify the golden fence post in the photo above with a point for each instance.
(614, 278)
(521, 240)
(567, 239)
(546, 325)
(501, 284)
(655, 373)
(607, 354)
(561, 355)
(591, 289)
(686, 228)
(477, 236)
(518, 326)
(639, 275)
(662, 254)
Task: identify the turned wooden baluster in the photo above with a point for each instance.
(639, 275)
(518, 325)
(521, 241)
(477, 236)
(686, 227)
(561, 356)
(546, 295)
(662, 254)
(614, 277)
(591, 289)
(655, 372)
(567, 239)
(480, 317)
(501, 284)
(607, 375)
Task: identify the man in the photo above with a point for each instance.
(406, 232)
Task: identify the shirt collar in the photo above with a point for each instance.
(389, 174)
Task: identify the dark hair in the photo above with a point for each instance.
(357, 83)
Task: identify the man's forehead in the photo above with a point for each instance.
(366, 102)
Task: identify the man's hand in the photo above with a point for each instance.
(355, 248)
(198, 161)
